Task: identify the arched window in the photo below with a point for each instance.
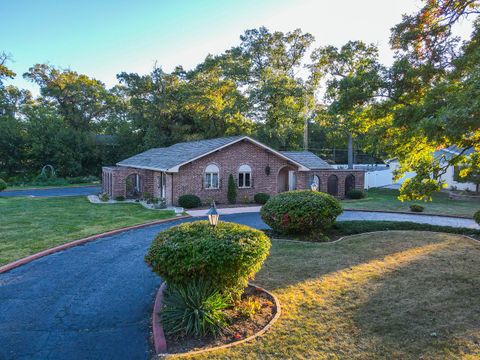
(315, 182)
(332, 185)
(212, 180)
(349, 183)
(244, 176)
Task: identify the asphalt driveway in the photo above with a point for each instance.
(89, 302)
(57, 191)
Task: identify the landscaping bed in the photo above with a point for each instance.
(241, 326)
(345, 228)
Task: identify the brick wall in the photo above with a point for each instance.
(190, 178)
(119, 174)
(304, 179)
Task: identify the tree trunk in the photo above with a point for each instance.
(350, 151)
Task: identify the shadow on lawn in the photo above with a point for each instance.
(400, 295)
(428, 307)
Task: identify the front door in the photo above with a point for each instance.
(292, 180)
(162, 188)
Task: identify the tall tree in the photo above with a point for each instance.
(432, 91)
(352, 75)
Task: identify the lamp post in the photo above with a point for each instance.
(213, 215)
(313, 185)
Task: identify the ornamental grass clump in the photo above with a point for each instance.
(301, 212)
(226, 256)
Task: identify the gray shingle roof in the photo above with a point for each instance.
(307, 159)
(168, 157)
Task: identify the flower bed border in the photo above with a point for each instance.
(160, 343)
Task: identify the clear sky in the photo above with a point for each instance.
(105, 37)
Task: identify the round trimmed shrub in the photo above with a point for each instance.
(227, 256)
(189, 201)
(3, 185)
(301, 212)
(261, 198)
(476, 217)
(416, 208)
(356, 194)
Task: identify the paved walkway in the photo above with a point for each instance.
(366, 215)
(57, 191)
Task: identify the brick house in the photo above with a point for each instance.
(202, 168)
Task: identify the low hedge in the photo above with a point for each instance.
(189, 201)
(356, 194)
(227, 256)
(301, 212)
(476, 217)
(416, 208)
(261, 198)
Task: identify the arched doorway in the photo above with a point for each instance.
(332, 185)
(286, 179)
(315, 182)
(349, 183)
(133, 186)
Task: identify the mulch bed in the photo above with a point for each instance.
(240, 327)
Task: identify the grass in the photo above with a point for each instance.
(391, 295)
(29, 225)
(386, 199)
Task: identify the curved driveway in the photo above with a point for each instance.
(89, 302)
(94, 301)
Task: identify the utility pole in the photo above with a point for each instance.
(305, 133)
(350, 151)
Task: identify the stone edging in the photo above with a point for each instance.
(160, 343)
(70, 244)
(409, 213)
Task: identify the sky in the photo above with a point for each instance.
(105, 37)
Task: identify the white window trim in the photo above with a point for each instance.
(211, 173)
(249, 172)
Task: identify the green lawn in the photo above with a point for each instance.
(29, 225)
(386, 199)
(391, 295)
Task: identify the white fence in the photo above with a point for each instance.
(378, 178)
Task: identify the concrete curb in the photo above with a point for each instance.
(71, 244)
(410, 213)
(159, 337)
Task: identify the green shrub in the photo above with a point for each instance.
(232, 190)
(356, 194)
(476, 217)
(261, 198)
(189, 201)
(3, 185)
(228, 255)
(301, 212)
(196, 308)
(120, 198)
(416, 208)
(104, 197)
